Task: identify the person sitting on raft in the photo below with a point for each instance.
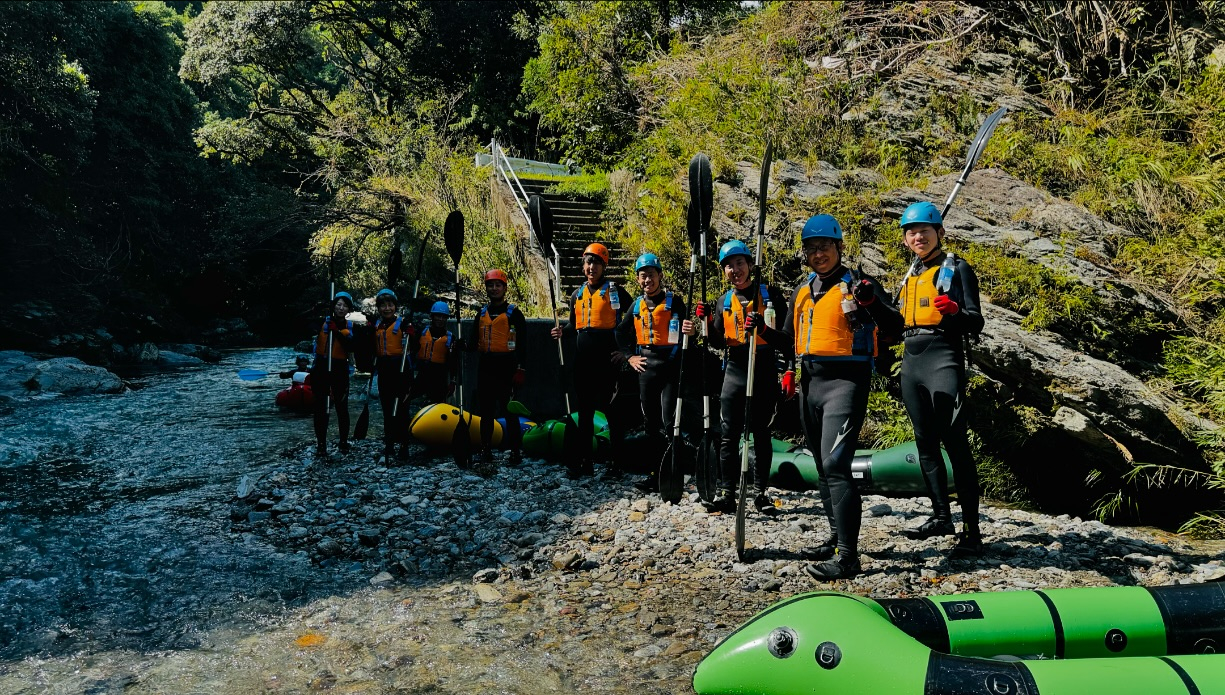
(301, 372)
(649, 336)
(436, 369)
(498, 329)
(330, 374)
(392, 340)
(596, 309)
(832, 327)
(727, 332)
(939, 303)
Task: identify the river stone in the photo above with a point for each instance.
(70, 376)
(487, 594)
(143, 353)
(369, 537)
(382, 579)
(166, 358)
(485, 576)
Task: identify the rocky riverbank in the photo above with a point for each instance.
(551, 585)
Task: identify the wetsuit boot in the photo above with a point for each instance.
(840, 566)
(826, 549)
(937, 525)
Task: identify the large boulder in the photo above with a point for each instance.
(68, 375)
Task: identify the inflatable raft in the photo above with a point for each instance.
(1109, 640)
(547, 439)
(434, 425)
(298, 398)
(892, 472)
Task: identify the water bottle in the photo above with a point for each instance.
(510, 340)
(674, 331)
(850, 307)
(770, 315)
(614, 297)
(944, 279)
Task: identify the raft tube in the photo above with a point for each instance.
(1083, 641)
(298, 398)
(547, 439)
(893, 472)
(434, 425)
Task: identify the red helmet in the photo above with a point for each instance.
(496, 274)
(599, 250)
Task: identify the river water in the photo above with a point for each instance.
(115, 509)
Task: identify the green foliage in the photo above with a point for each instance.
(594, 186)
(1047, 299)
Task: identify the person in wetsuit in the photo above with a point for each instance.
(330, 373)
(727, 317)
(499, 329)
(436, 365)
(937, 320)
(646, 339)
(832, 324)
(393, 336)
(596, 309)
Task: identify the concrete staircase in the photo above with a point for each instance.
(576, 223)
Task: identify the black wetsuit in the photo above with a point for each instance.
(333, 382)
(495, 373)
(735, 387)
(595, 384)
(834, 401)
(933, 388)
(657, 386)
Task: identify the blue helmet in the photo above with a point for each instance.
(440, 307)
(386, 293)
(922, 213)
(821, 226)
(648, 260)
(345, 296)
(735, 247)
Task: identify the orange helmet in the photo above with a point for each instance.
(599, 250)
(496, 274)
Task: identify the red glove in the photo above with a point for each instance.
(864, 293)
(753, 322)
(704, 310)
(945, 305)
(789, 385)
(411, 331)
(517, 379)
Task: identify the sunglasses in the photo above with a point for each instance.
(823, 245)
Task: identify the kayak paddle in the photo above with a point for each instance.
(542, 225)
(453, 238)
(701, 205)
(743, 492)
(671, 475)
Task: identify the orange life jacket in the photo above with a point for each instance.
(388, 342)
(917, 299)
(651, 325)
(822, 330)
(734, 313)
(433, 349)
(493, 332)
(338, 348)
(594, 309)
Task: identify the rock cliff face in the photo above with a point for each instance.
(1089, 418)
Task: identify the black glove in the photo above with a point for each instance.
(864, 292)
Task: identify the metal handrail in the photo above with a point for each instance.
(502, 164)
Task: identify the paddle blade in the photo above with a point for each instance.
(461, 444)
(706, 472)
(980, 140)
(394, 261)
(542, 221)
(363, 423)
(742, 509)
(251, 374)
(693, 227)
(701, 187)
(453, 236)
(671, 474)
(763, 188)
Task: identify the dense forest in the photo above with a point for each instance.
(169, 165)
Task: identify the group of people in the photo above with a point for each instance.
(834, 325)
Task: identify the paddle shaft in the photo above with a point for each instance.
(561, 353)
(395, 409)
(327, 402)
